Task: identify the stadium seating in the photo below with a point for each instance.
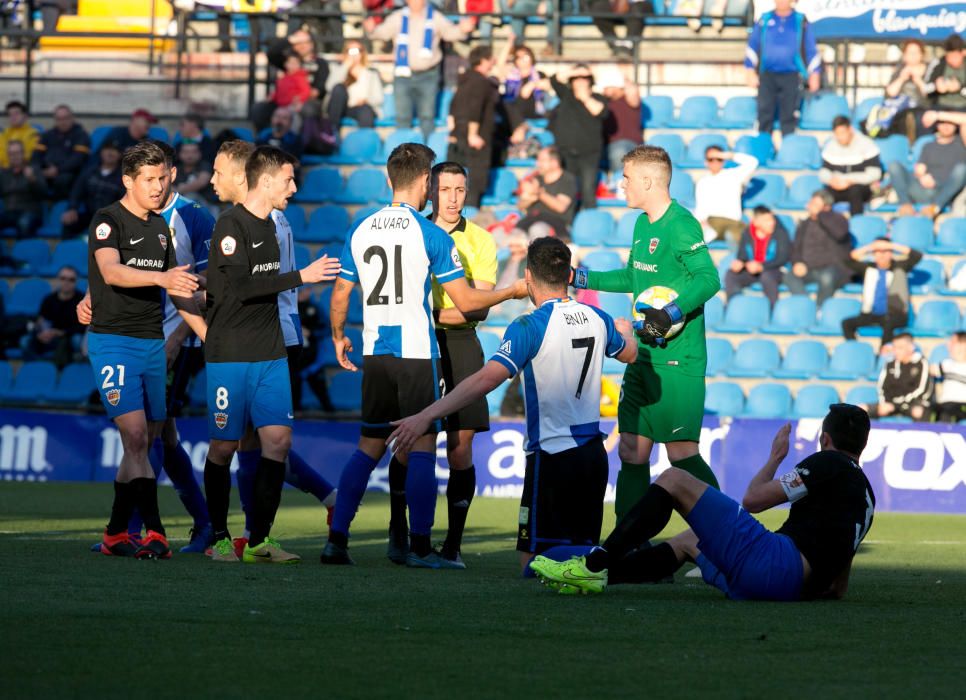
(656, 111)
(760, 146)
(295, 215)
(329, 223)
(696, 112)
(682, 188)
(365, 186)
(362, 213)
(319, 185)
(74, 385)
(439, 143)
(591, 227)
(926, 277)
(34, 381)
(500, 189)
(615, 305)
(768, 401)
(738, 113)
(744, 314)
(327, 356)
(623, 235)
(936, 319)
(672, 143)
(863, 109)
(803, 359)
(865, 228)
(792, 315)
(73, 253)
(302, 256)
(345, 391)
(951, 237)
(800, 191)
(713, 312)
(913, 231)
(31, 254)
(764, 190)
(797, 151)
(395, 138)
(694, 155)
(819, 111)
(51, 227)
(833, 311)
(957, 269)
(25, 298)
(724, 399)
(490, 342)
(938, 354)
(851, 360)
(6, 377)
(602, 260)
(756, 357)
(359, 146)
(813, 401)
(862, 394)
(720, 354)
(893, 148)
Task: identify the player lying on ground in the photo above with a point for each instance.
(809, 556)
(560, 348)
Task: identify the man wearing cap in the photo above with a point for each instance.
(136, 130)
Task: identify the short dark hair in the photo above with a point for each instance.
(841, 120)
(407, 163)
(554, 153)
(826, 196)
(954, 42)
(195, 119)
(16, 104)
(712, 147)
(448, 166)
(266, 160)
(960, 336)
(904, 334)
(478, 54)
(71, 268)
(761, 210)
(548, 260)
(169, 154)
(237, 150)
(848, 427)
(141, 154)
(525, 49)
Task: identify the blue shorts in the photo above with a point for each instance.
(742, 557)
(130, 374)
(240, 393)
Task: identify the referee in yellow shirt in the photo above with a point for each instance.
(460, 356)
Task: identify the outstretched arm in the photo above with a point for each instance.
(765, 491)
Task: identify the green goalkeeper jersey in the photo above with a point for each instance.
(671, 253)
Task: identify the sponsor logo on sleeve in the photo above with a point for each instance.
(228, 245)
(102, 231)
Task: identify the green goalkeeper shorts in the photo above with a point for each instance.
(661, 403)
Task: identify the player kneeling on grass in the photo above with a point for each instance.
(560, 349)
(809, 556)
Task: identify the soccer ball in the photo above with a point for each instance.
(658, 297)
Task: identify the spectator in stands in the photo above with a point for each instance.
(782, 52)
(906, 96)
(57, 328)
(577, 126)
(548, 198)
(193, 129)
(762, 252)
(885, 287)
(718, 193)
(850, 165)
(950, 374)
(820, 251)
(633, 11)
(474, 122)
(521, 10)
(61, 153)
(292, 89)
(97, 186)
(355, 90)
(18, 129)
(905, 385)
(946, 76)
(193, 172)
(416, 31)
(280, 134)
(622, 127)
(327, 31)
(315, 66)
(525, 88)
(936, 178)
(22, 190)
(137, 129)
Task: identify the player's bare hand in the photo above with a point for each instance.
(520, 289)
(325, 269)
(624, 327)
(179, 282)
(779, 446)
(343, 346)
(84, 313)
(407, 432)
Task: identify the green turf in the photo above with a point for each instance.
(76, 624)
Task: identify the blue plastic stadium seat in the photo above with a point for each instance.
(724, 399)
(936, 319)
(768, 401)
(365, 185)
(623, 236)
(819, 111)
(362, 213)
(388, 117)
(592, 227)
(345, 391)
(738, 113)
(756, 357)
(758, 145)
(744, 314)
(957, 269)
(951, 237)
(713, 312)
(851, 359)
(295, 215)
(324, 301)
(831, 314)
(6, 377)
(866, 228)
(98, 136)
(697, 112)
(490, 342)
(328, 224)
(792, 315)
(602, 260)
(327, 356)
(33, 382)
(927, 277)
(358, 147)
(863, 109)
(74, 385)
(694, 156)
(720, 354)
(938, 354)
(863, 393)
(615, 305)
(764, 190)
(320, 185)
(682, 188)
(25, 298)
(913, 231)
(73, 253)
(813, 401)
(159, 133)
(801, 190)
(672, 143)
(397, 137)
(51, 227)
(501, 186)
(803, 359)
(796, 152)
(33, 254)
(893, 148)
(439, 143)
(302, 255)
(656, 110)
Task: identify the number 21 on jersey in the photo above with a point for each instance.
(376, 296)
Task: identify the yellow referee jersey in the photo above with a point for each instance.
(478, 254)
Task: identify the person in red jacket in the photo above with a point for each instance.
(292, 89)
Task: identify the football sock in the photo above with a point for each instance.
(352, 486)
(562, 552)
(267, 494)
(299, 474)
(645, 565)
(698, 468)
(397, 495)
(177, 465)
(421, 491)
(459, 496)
(245, 476)
(146, 497)
(632, 482)
(217, 493)
(121, 509)
(156, 460)
(642, 522)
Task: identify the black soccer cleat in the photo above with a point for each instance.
(397, 549)
(336, 555)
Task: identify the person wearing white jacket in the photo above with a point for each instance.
(850, 165)
(718, 194)
(354, 88)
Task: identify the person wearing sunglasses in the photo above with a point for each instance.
(718, 193)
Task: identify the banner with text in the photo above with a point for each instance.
(886, 20)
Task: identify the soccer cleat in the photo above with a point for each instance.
(200, 541)
(336, 555)
(224, 550)
(573, 572)
(269, 552)
(119, 545)
(154, 546)
(239, 544)
(433, 560)
(398, 547)
(456, 560)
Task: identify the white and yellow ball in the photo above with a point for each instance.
(657, 297)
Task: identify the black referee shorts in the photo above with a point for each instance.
(563, 497)
(460, 356)
(394, 388)
(187, 364)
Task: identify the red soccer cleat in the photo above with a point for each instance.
(154, 546)
(119, 545)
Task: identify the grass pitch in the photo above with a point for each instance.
(76, 624)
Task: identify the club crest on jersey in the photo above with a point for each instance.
(114, 397)
(221, 420)
(164, 241)
(102, 231)
(653, 245)
(228, 245)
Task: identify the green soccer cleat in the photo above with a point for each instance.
(572, 573)
(224, 550)
(269, 552)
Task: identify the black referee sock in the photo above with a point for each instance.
(459, 496)
(397, 496)
(146, 498)
(267, 494)
(646, 565)
(643, 521)
(217, 494)
(121, 509)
